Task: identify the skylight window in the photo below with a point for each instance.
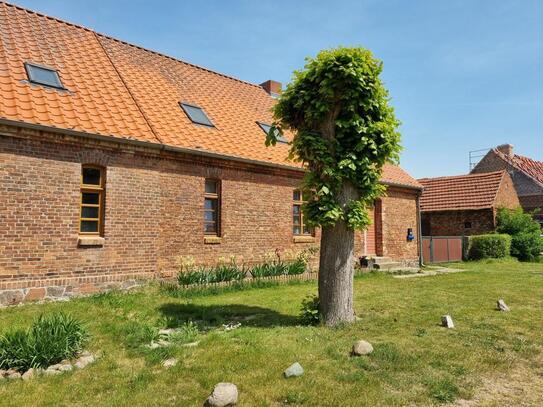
(267, 128)
(43, 75)
(196, 114)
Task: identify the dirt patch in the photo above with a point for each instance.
(521, 386)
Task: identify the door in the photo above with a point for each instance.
(369, 235)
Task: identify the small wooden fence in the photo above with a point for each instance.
(439, 249)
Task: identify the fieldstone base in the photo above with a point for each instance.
(16, 292)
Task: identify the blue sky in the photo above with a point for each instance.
(462, 75)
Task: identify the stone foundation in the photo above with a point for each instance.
(15, 292)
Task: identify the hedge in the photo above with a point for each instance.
(492, 246)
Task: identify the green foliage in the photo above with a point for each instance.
(207, 275)
(188, 332)
(51, 339)
(491, 246)
(191, 275)
(344, 132)
(310, 314)
(136, 334)
(527, 243)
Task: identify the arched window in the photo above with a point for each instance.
(93, 191)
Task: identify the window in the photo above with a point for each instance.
(43, 75)
(196, 114)
(212, 207)
(92, 200)
(267, 128)
(467, 225)
(298, 225)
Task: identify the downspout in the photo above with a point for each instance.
(419, 229)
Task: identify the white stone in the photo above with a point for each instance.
(14, 375)
(190, 344)
(362, 347)
(83, 361)
(29, 374)
(167, 331)
(294, 370)
(502, 306)
(447, 321)
(224, 394)
(169, 363)
(51, 372)
(231, 326)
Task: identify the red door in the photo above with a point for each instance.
(370, 235)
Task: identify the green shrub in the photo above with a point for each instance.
(296, 267)
(269, 269)
(310, 314)
(527, 243)
(491, 246)
(49, 340)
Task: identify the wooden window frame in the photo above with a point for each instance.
(303, 227)
(217, 197)
(90, 188)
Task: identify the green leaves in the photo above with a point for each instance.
(344, 131)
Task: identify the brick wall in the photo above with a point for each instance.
(507, 195)
(452, 223)
(398, 213)
(153, 214)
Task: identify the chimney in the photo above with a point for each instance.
(506, 149)
(272, 87)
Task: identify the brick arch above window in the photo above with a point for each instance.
(94, 157)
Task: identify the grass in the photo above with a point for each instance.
(415, 362)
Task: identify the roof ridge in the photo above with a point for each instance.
(82, 27)
(475, 175)
(511, 162)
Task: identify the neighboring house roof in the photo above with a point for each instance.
(461, 192)
(120, 90)
(530, 167)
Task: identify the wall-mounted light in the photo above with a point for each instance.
(410, 235)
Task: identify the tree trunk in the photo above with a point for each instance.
(336, 268)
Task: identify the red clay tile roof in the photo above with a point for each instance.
(121, 90)
(461, 192)
(532, 168)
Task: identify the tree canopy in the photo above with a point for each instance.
(344, 132)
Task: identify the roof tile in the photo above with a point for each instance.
(119, 89)
(461, 192)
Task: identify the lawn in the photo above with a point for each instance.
(415, 362)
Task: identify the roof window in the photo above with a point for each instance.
(43, 76)
(267, 128)
(196, 114)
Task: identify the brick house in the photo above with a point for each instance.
(465, 205)
(116, 160)
(527, 175)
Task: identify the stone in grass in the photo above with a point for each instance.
(29, 374)
(224, 394)
(169, 363)
(14, 375)
(84, 360)
(502, 306)
(361, 348)
(447, 321)
(294, 370)
(51, 372)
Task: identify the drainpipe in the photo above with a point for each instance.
(419, 227)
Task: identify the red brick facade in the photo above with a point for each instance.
(153, 214)
(465, 205)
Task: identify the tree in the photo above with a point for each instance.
(344, 132)
(527, 243)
